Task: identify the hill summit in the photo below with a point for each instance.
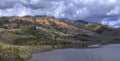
(51, 28)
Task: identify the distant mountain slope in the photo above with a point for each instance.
(51, 28)
(21, 36)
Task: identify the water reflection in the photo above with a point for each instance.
(107, 53)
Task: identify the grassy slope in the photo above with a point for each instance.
(16, 52)
(25, 35)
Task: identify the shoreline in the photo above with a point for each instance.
(45, 50)
(50, 49)
(30, 56)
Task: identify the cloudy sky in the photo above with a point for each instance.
(104, 11)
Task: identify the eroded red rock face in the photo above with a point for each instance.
(21, 22)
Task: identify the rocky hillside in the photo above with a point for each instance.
(20, 36)
(51, 28)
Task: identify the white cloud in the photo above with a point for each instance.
(81, 13)
(115, 11)
(113, 23)
(73, 9)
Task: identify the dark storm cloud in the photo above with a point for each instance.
(73, 9)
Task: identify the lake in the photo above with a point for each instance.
(105, 53)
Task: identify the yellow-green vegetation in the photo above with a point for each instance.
(20, 43)
(17, 50)
(8, 50)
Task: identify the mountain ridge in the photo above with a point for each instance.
(57, 26)
(21, 36)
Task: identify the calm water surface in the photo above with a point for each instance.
(106, 53)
